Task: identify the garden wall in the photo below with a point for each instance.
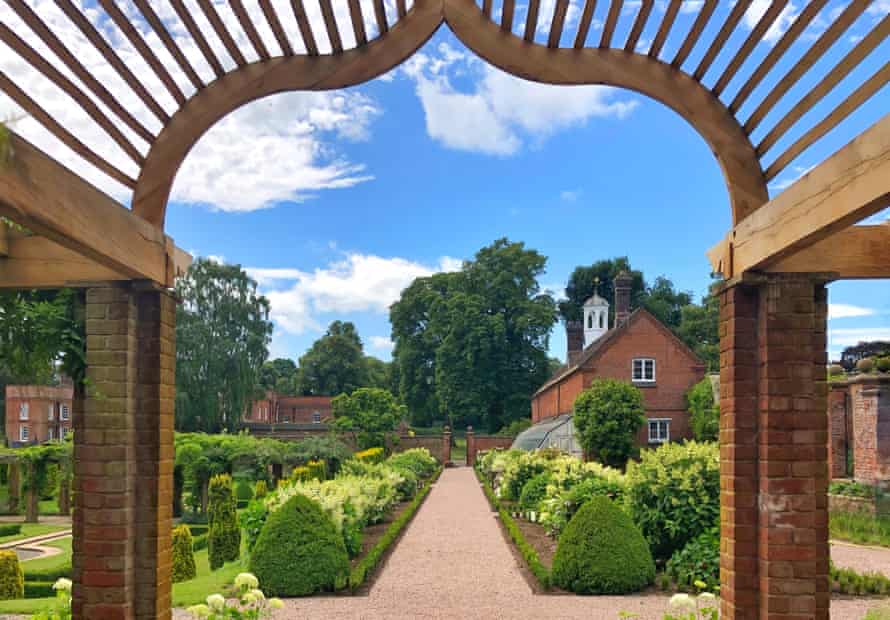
(480, 443)
(859, 416)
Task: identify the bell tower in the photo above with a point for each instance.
(596, 319)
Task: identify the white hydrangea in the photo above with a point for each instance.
(62, 584)
(216, 602)
(682, 602)
(246, 581)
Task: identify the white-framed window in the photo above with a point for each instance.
(51, 412)
(66, 413)
(659, 430)
(316, 417)
(23, 432)
(63, 432)
(24, 410)
(643, 370)
(50, 433)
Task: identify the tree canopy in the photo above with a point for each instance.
(222, 336)
(471, 346)
(335, 364)
(369, 413)
(280, 375)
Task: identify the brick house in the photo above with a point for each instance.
(639, 349)
(278, 409)
(37, 413)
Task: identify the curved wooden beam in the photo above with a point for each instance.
(261, 79)
(658, 80)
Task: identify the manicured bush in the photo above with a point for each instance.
(260, 490)
(12, 581)
(602, 552)
(607, 417)
(198, 529)
(10, 529)
(299, 551)
(224, 538)
(39, 589)
(836, 370)
(200, 542)
(534, 491)
(866, 364)
(698, 561)
(418, 460)
(559, 509)
(704, 413)
(183, 555)
(371, 455)
(252, 520)
(47, 574)
(673, 494)
(243, 490)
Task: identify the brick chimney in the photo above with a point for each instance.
(575, 339)
(622, 286)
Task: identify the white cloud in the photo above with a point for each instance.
(498, 114)
(382, 343)
(282, 148)
(357, 283)
(570, 195)
(848, 336)
(843, 311)
(797, 173)
(786, 17)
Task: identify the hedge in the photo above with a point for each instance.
(10, 529)
(183, 555)
(39, 589)
(48, 574)
(200, 542)
(369, 562)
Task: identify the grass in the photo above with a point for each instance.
(53, 561)
(29, 530)
(860, 528)
(206, 583)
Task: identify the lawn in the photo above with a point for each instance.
(860, 528)
(459, 451)
(53, 561)
(45, 506)
(30, 530)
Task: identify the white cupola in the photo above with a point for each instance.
(596, 319)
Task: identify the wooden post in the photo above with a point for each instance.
(15, 488)
(32, 498)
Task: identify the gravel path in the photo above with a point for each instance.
(453, 562)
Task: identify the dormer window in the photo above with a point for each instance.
(643, 370)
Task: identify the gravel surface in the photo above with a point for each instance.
(453, 562)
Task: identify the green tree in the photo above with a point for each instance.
(378, 373)
(665, 302)
(585, 280)
(222, 337)
(369, 414)
(224, 533)
(699, 329)
(280, 375)
(704, 413)
(607, 417)
(335, 364)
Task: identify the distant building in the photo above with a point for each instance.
(37, 413)
(640, 350)
(278, 409)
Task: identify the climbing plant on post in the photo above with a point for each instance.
(32, 463)
(224, 538)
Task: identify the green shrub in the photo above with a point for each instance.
(224, 538)
(260, 490)
(883, 364)
(47, 574)
(252, 520)
(698, 561)
(866, 364)
(418, 460)
(183, 555)
(10, 529)
(329, 449)
(198, 529)
(12, 581)
(602, 552)
(607, 417)
(243, 490)
(560, 509)
(518, 473)
(515, 427)
(200, 542)
(371, 455)
(673, 494)
(852, 489)
(301, 473)
(534, 491)
(317, 470)
(39, 589)
(849, 581)
(299, 551)
(704, 413)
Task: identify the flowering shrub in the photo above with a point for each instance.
(250, 604)
(371, 455)
(61, 610)
(418, 460)
(685, 607)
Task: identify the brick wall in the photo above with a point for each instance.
(481, 443)
(838, 397)
(870, 403)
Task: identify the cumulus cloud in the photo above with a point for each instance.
(497, 113)
(382, 343)
(570, 195)
(843, 311)
(848, 336)
(357, 283)
(786, 17)
(283, 148)
(786, 182)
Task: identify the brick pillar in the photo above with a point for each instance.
(446, 446)
(123, 461)
(471, 447)
(838, 414)
(871, 428)
(773, 433)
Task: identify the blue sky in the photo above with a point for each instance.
(336, 201)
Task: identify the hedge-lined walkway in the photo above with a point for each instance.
(453, 562)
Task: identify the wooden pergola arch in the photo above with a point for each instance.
(776, 259)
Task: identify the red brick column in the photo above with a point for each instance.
(446, 446)
(471, 447)
(773, 431)
(838, 414)
(871, 428)
(123, 461)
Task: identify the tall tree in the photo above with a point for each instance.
(665, 302)
(474, 343)
(222, 334)
(585, 280)
(280, 375)
(335, 364)
(699, 329)
(378, 373)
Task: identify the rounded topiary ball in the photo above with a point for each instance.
(602, 552)
(299, 551)
(883, 364)
(866, 364)
(835, 370)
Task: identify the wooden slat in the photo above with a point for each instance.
(486, 8)
(816, 51)
(59, 49)
(401, 8)
(330, 24)
(639, 25)
(37, 263)
(844, 189)
(111, 57)
(854, 253)
(155, 22)
(584, 24)
(507, 11)
(754, 37)
(221, 31)
(380, 16)
(778, 50)
(49, 122)
(862, 94)
(305, 27)
(611, 21)
(358, 22)
(249, 29)
(738, 11)
(126, 27)
(275, 25)
(701, 21)
(197, 34)
(558, 23)
(838, 73)
(37, 61)
(664, 30)
(531, 20)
